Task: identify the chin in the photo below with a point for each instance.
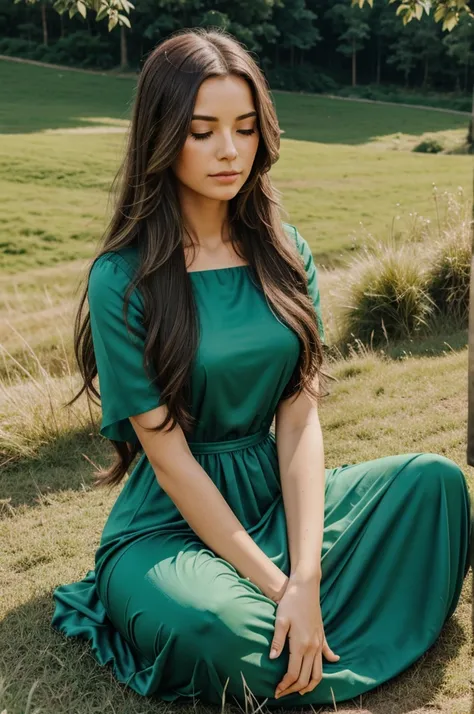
(226, 193)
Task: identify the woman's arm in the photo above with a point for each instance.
(203, 506)
(300, 450)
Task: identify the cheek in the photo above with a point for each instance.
(192, 160)
(250, 148)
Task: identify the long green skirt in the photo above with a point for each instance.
(173, 618)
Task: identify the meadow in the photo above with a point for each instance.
(345, 167)
(346, 171)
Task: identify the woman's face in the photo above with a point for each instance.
(219, 140)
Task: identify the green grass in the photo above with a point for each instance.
(52, 520)
(338, 171)
(53, 196)
(36, 98)
(338, 121)
(338, 167)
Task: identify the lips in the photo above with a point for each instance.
(227, 173)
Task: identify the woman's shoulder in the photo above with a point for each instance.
(125, 258)
(111, 273)
(295, 236)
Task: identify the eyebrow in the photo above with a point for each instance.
(208, 118)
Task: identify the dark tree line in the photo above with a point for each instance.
(316, 43)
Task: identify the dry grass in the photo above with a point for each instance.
(51, 519)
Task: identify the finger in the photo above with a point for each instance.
(329, 653)
(316, 675)
(282, 625)
(305, 674)
(294, 669)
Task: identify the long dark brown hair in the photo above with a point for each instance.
(147, 214)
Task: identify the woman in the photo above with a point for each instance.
(204, 326)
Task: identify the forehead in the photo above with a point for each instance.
(224, 97)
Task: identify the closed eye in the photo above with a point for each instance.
(207, 134)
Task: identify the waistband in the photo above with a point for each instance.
(211, 447)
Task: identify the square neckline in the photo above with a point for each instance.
(215, 270)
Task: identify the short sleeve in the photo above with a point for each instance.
(312, 273)
(124, 386)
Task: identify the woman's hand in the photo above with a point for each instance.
(299, 616)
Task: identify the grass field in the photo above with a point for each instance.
(52, 521)
(340, 171)
(338, 168)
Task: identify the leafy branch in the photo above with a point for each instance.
(449, 11)
(116, 11)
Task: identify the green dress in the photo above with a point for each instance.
(174, 619)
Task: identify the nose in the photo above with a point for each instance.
(228, 150)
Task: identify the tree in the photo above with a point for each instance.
(460, 45)
(383, 25)
(352, 30)
(117, 11)
(295, 22)
(403, 54)
(113, 9)
(429, 43)
(420, 42)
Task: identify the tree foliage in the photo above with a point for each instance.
(448, 12)
(302, 45)
(116, 11)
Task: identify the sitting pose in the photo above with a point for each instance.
(230, 538)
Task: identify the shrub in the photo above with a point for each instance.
(449, 270)
(394, 93)
(384, 297)
(430, 145)
(82, 50)
(303, 78)
(79, 49)
(17, 47)
(413, 285)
